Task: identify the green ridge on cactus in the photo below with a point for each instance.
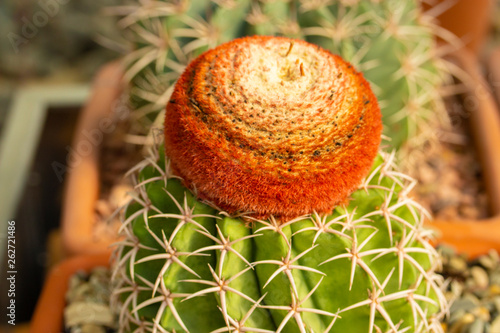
(185, 268)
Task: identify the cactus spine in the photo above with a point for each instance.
(363, 265)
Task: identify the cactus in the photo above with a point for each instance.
(391, 41)
(227, 233)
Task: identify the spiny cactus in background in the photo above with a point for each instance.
(391, 41)
(313, 236)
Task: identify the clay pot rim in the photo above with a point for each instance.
(81, 189)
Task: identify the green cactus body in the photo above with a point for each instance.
(392, 42)
(367, 267)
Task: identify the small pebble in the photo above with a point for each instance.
(87, 309)
(480, 277)
(455, 315)
(494, 289)
(482, 313)
(495, 277)
(88, 328)
(457, 265)
(495, 256)
(463, 304)
(88, 312)
(472, 298)
(496, 301)
(474, 288)
(457, 288)
(495, 325)
(487, 262)
(477, 326)
(463, 322)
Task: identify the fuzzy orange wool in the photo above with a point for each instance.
(272, 126)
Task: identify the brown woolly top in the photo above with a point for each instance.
(272, 126)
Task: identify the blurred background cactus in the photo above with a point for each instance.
(391, 41)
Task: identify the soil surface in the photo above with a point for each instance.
(117, 158)
(449, 174)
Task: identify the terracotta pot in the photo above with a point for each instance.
(478, 237)
(494, 73)
(49, 311)
(82, 180)
(469, 20)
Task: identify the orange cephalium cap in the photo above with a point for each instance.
(272, 126)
